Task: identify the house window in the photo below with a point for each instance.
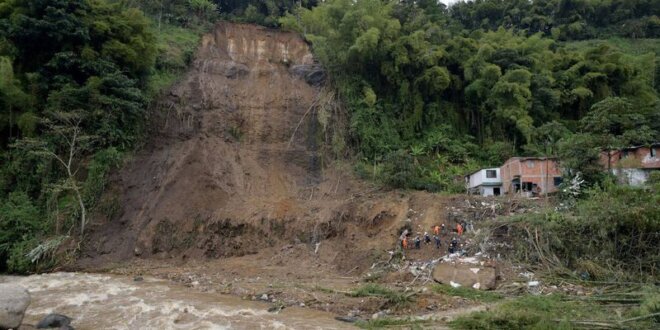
(491, 174)
(653, 152)
(530, 164)
(558, 180)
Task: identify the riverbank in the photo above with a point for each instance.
(105, 301)
(313, 285)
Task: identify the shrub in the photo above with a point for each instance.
(611, 234)
(20, 220)
(375, 290)
(468, 293)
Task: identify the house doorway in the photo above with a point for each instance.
(496, 191)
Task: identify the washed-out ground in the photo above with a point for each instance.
(327, 276)
(302, 282)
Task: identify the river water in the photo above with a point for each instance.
(97, 301)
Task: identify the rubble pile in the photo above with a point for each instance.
(474, 209)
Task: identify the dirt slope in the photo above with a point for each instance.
(233, 167)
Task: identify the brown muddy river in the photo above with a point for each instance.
(114, 302)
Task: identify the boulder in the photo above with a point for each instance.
(312, 73)
(235, 70)
(229, 69)
(54, 321)
(476, 276)
(14, 300)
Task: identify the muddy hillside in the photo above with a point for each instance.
(234, 165)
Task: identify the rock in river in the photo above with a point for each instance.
(54, 321)
(14, 300)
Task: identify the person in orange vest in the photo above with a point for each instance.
(436, 230)
(405, 242)
(402, 237)
(459, 229)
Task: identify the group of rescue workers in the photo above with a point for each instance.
(407, 242)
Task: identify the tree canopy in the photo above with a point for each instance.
(89, 57)
(484, 73)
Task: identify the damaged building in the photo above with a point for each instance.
(530, 176)
(632, 165)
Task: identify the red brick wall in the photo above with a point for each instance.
(537, 171)
(633, 158)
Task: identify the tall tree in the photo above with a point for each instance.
(66, 145)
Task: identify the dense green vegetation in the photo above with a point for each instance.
(433, 92)
(76, 79)
(564, 19)
(610, 234)
(189, 12)
(263, 12)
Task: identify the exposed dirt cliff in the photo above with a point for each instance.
(234, 165)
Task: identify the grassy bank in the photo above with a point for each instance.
(176, 50)
(564, 312)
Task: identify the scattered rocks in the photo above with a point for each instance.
(229, 69)
(276, 308)
(379, 315)
(534, 287)
(14, 300)
(54, 321)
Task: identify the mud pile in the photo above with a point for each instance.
(232, 164)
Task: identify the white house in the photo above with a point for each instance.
(485, 182)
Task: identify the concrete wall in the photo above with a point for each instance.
(490, 190)
(632, 176)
